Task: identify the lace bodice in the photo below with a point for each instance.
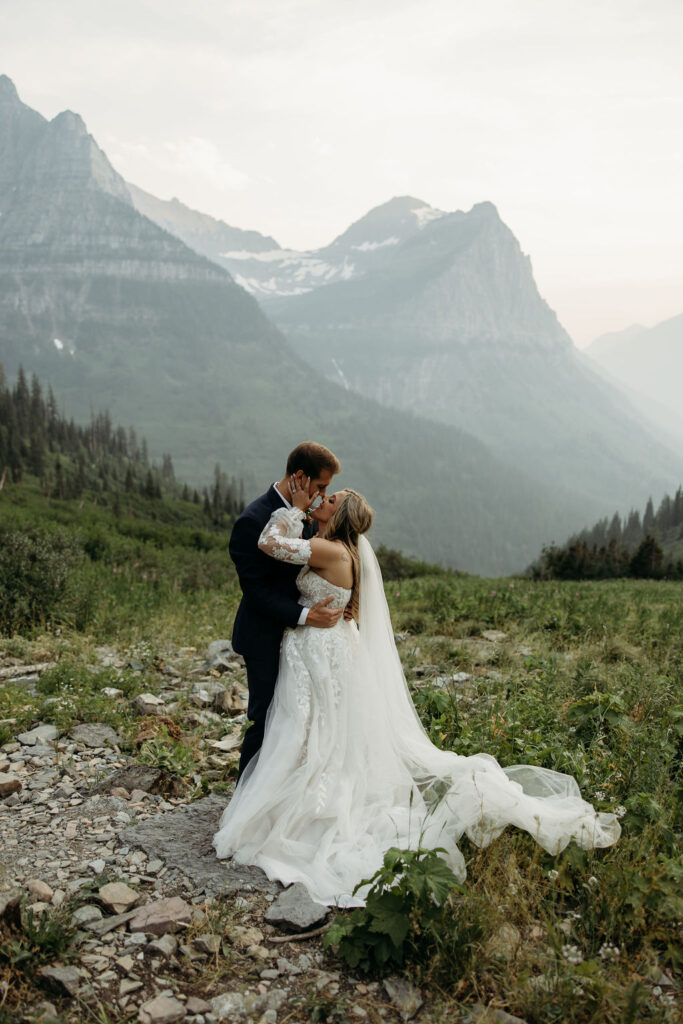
(314, 588)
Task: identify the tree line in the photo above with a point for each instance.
(69, 459)
(634, 546)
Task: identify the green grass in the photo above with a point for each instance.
(587, 681)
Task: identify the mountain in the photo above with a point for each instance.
(446, 321)
(199, 231)
(117, 313)
(648, 363)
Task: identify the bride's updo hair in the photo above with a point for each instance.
(352, 517)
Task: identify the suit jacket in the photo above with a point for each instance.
(269, 594)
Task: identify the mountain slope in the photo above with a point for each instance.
(448, 323)
(648, 363)
(118, 313)
(199, 231)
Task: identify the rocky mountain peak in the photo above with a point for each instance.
(388, 224)
(8, 92)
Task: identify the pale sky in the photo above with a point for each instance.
(295, 117)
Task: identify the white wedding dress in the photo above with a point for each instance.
(346, 769)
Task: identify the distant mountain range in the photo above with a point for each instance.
(648, 363)
(117, 312)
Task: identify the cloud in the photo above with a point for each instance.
(197, 159)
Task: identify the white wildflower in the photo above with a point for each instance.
(572, 954)
(620, 811)
(592, 881)
(599, 794)
(552, 875)
(608, 951)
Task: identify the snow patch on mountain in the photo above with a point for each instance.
(425, 214)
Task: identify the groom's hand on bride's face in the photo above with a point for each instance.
(323, 617)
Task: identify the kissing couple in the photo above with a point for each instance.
(336, 766)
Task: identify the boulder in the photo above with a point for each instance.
(95, 734)
(162, 916)
(41, 735)
(295, 911)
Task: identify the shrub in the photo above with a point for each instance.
(35, 565)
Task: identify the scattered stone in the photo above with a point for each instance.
(86, 915)
(162, 916)
(220, 655)
(162, 1010)
(233, 1006)
(245, 938)
(229, 742)
(406, 998)
(128, 985)
(210, 944)
(112, 691)
(9, 784)
(64, 980)
(148, 704)
(119, 897)
(41, 890)
(195, 1005)
(295, 911)
(494, 636)
(45, 1012)
(41, 735)
(139, 776)
(95, 734)
(125, 963)
(166, 945)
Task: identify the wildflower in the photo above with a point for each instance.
(493, 593)
(552, 875)
(599, 794)
(397, 594)
(572, 728)
(592, 881)
(620, 811)
(512, 586)
(572, 954)
(608, 951)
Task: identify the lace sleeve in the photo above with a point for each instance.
(281, 537)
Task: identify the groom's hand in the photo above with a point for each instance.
(323, 617)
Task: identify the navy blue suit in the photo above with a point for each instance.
(269, 604)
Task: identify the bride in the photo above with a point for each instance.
(346, 769)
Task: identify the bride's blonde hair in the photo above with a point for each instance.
(352, 517)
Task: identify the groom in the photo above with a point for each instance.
(269, 594)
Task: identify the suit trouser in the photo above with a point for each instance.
(262, 670)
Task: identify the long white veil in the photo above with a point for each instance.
(471, 794)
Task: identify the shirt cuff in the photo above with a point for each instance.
(303, 617)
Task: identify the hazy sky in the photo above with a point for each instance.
(294, 117)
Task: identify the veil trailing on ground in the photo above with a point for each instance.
(460, 794)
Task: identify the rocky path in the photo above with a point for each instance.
(164, 931)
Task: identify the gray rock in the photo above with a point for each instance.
(161, 916)
(195, 1005)
(162, 1010)
(85, 915)
(295, 911)
(64, 980)
(95, 734)
(9, 784)
(182, 839)
(42, 734)
(166, 945)
(233, 1006)
(494, 636)
(406, 998)
(148, 704)
(139, 776)
(219, 654)
(209, 943)
(119, 897)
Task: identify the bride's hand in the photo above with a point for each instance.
(298, 490)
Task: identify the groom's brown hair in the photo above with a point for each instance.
(312, 459)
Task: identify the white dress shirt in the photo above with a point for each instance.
(304, 611)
